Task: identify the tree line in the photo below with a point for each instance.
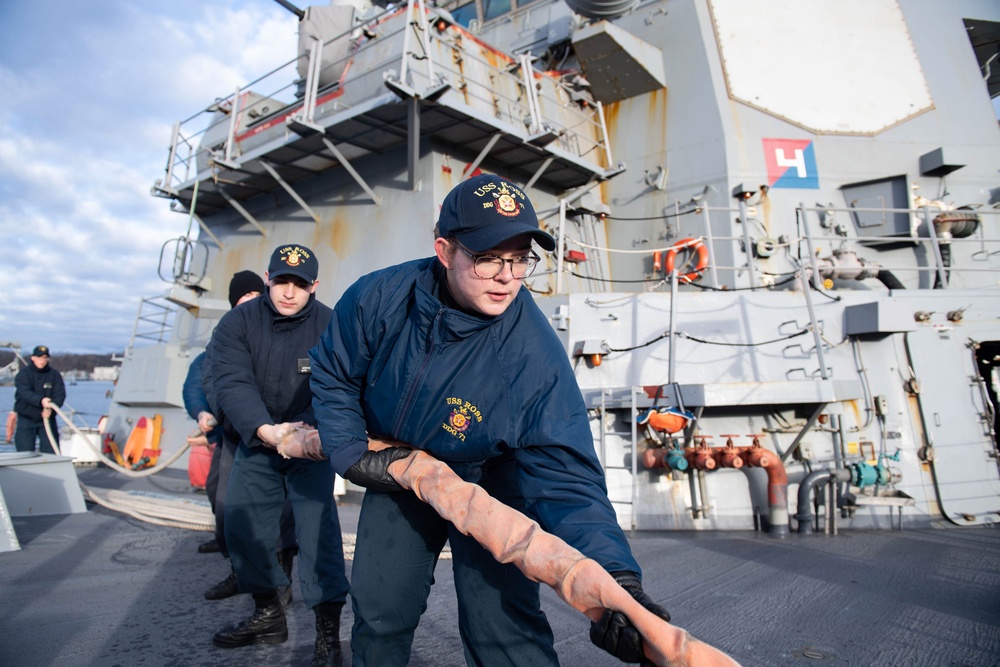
(66, 362)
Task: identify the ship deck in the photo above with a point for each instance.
(101, 588)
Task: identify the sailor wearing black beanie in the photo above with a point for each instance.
(243, 283)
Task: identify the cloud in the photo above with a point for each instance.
(91, 92)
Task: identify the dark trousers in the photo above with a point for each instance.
(212, 480)
(399, 540)
(259, 484)
(29, 430)
(215, 488)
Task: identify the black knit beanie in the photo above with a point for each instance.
(242, 283)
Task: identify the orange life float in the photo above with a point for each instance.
(695, 246)
(143, 446)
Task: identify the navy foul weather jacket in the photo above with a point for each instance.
(396, 362)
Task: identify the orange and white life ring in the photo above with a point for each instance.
(696, 247)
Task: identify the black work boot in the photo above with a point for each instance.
(226, 588)
(327, 651)
(209, 547)
(285, 560)
(265, 626)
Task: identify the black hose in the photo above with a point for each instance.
(888, 279)
(946, 262)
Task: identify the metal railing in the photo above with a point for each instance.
(936, 246)
(381, 49)
(153, 322)
(939, 257)
(188, 145)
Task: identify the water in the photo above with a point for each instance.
(85, 402)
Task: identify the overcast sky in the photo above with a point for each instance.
(89, 91)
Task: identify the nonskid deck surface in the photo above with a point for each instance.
(101, 588)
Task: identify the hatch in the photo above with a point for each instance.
(958, 428)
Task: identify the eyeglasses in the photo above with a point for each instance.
(491, 266)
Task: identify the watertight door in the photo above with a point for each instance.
(966, 476)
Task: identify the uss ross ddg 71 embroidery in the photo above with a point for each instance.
(462, 415)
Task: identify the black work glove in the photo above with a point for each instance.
(614, 633)
(372, 469)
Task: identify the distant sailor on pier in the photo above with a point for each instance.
(38, 388)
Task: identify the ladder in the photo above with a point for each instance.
(615, 399)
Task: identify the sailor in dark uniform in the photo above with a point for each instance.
(260, 373)
(37, 387)
(450, 355)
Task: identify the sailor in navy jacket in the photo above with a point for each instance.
(397, 363)
(36, 387)
(259, 364)
(490, 393)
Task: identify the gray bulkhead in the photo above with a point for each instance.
(837, 375)
(689, 146)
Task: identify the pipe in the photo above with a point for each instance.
(663, 457)
(756, 456)
(804, 513)
(292, 8)
(728, 456)
(703, 458)
(702, 492)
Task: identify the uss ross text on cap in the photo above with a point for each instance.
(484, 211)
(293, 260)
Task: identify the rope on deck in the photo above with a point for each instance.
(161, 511)
(145, 472)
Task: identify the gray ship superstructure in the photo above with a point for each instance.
(778, 260)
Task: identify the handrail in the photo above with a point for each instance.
(804, 262)
(160, 318)
(577, 130)
(920, 234)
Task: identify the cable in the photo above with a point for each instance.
(666, 334)
(655, 217)
(644, 251)
(741, 289)
(693, 284)
(614, 280)
(766, 342)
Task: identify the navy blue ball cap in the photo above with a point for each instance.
(293, 260)
(484, 211)
(40, 351)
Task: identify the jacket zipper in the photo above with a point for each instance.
(408, 402)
